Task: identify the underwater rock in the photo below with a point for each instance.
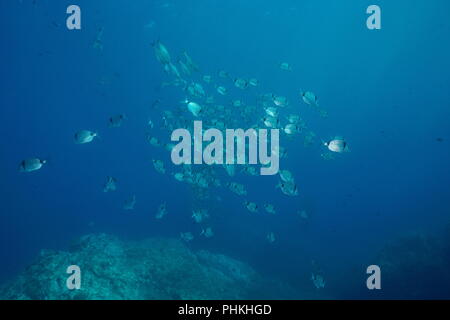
(415, 267)
(152, 269)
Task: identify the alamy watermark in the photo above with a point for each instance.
(73, 282)
(374, 20)
(237, 142)
(374, 280)
(73, 22)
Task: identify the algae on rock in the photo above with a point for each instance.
(150, 269)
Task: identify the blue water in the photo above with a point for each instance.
(386, 92)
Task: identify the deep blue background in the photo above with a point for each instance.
(386, 92)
